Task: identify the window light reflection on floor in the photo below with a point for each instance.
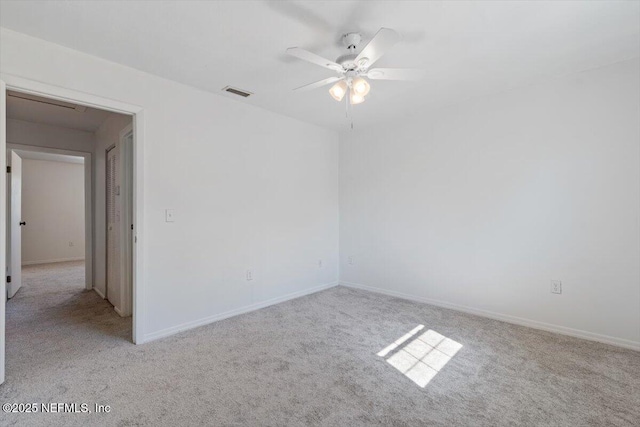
(420, 357)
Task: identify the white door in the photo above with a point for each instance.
(15, 228)
(113, 288)
(126, 219)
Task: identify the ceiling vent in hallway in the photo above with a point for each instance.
(49, 101)
(236, 91)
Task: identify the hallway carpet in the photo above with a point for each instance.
(341, 357)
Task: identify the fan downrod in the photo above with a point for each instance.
(351, 41)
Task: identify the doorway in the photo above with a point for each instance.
(35, 125)
(133, 218)
(49, 211)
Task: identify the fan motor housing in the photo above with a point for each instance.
(351, 42)
(348, 61)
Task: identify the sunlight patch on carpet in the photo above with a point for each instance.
(423, 357)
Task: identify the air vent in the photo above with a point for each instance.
(235, 91)
(41, 100)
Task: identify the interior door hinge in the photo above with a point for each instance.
(8, 279)
(8, 169)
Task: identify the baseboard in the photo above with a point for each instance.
(99, 293)
(577, 333)
(116, 309)
(52, 261)
(246, 309)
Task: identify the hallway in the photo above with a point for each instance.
(53, 319)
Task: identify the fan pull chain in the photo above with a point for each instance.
(348, 110)
(351, 115)
(346, 107)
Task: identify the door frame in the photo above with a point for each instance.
(24, 152)
(20, 84)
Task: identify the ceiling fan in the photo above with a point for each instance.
(354, 69)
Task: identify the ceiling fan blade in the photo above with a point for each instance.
(319, 83)
(384, 40)
(396, 74)
(313, 58)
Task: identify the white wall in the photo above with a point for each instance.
(53, 208)
(250, 189)
(41, 135)
(480, 205)
(106, 136)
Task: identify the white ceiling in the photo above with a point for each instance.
(469, 49)
(41, 110)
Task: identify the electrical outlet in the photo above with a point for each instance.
(556, 287)
(70, 244)
(319, 263)
(351, 260)
(249, 275)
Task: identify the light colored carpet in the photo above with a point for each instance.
(311, 361)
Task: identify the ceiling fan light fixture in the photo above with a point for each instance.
(356, 98)
(360, 86)
(354, 69)
(338, 90)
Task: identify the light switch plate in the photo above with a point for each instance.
(169, 215)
